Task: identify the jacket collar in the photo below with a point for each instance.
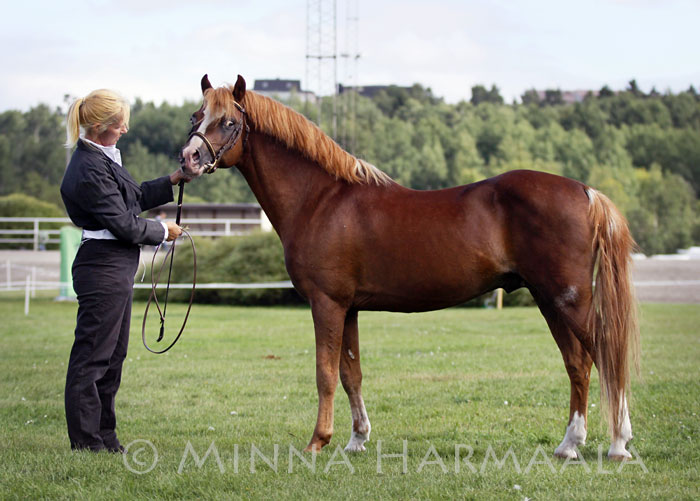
(118, 169)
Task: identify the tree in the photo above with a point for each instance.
(530, 97)
(684, 109)
(391, 99)
(481, 95)
(161, 129)
(664, 220)
(633, 88)
(468, 166)
(553, 97)
(430, 172)
(605, 92)
(589, 117)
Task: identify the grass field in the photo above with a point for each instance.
(240, 384)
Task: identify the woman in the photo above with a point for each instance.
(103, 199)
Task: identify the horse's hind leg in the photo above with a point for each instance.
(351, 377)
(328, 325)
(566, 317)
(577, 361)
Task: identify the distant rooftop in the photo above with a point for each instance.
(369, 90)
(570, 96)
(277, 85)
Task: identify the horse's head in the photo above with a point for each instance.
(219, 130)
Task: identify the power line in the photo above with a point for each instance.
(322, 56)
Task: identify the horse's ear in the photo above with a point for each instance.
(205, 83)
(239, 89)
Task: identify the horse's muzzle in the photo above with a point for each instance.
(193, 159)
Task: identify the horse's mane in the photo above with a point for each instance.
(297, 132)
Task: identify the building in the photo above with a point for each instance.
(569, 96)
(370, 90)
(207, 219)
(283, 90)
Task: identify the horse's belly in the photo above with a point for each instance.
(422, 290)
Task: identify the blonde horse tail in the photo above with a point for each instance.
(613, 314)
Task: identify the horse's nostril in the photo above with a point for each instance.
(195, 156)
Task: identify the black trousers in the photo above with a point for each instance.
(103, 279)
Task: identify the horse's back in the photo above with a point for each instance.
(540, 188)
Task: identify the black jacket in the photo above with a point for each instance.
(100, 194)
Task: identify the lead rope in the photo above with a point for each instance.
(154, 298)
(172, 256)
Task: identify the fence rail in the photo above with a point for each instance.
(37, 237)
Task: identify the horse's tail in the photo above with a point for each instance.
(613, 315)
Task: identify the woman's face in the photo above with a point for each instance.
(112, 134)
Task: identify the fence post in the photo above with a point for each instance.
(26, 295)
(265, 224)
(36, 235)
(499, 299)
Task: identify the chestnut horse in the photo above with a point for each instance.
(355, 240)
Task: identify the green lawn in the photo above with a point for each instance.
(240, 384)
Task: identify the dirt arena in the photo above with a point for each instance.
(657, 280)
(667, 280)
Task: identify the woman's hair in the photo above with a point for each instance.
(99, 109)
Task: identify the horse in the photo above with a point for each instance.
(356, 240)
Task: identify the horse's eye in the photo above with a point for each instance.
(229, 123)
(192, 120)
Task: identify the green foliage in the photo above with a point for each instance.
(481, 95)
(423, 142)
(248, 259)
(21, 205)
(664, 218)
(159, 129)
(32, 157)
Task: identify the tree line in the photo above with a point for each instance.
(642, 150)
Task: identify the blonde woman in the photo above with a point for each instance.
(104, 200)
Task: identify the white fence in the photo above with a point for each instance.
(29, 274)
(36, 237)
(30, 284)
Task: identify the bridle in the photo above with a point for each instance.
(231, 140)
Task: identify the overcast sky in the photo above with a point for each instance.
(159, 49)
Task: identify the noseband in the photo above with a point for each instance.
(231, 140)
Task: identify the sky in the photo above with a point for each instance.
(158, 50)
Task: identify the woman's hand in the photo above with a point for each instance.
(174, 231)
(179, 175)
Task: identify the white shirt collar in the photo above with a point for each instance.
(112, 152)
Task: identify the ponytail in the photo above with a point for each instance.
(73, 123)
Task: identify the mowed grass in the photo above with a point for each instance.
(241, 384)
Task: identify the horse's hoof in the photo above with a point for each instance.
(314, 448)
(355, 448)
(565, 454)
(617, 452)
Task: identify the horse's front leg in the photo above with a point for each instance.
(351, 377)
(329, 319)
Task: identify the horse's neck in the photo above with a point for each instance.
(284, 182)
